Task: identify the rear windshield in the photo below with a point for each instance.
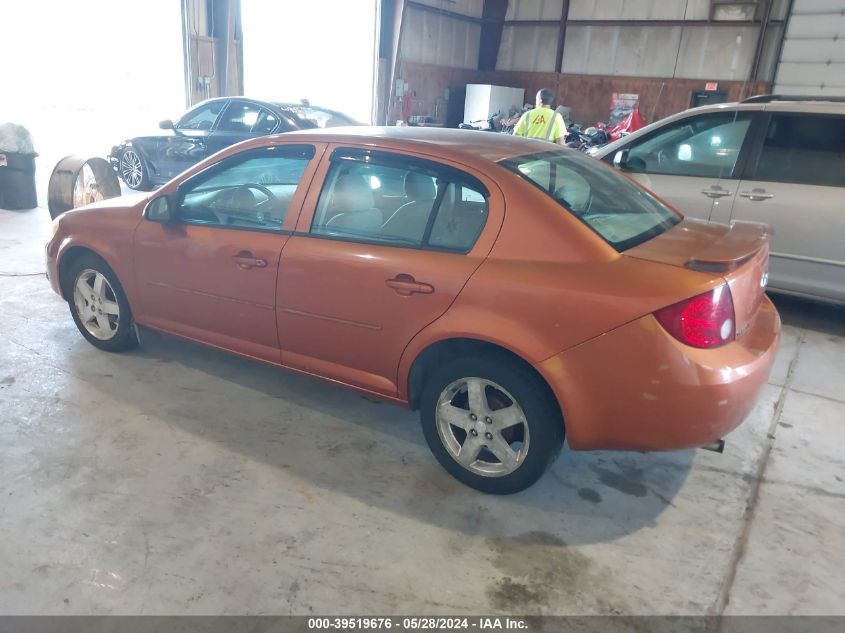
(607, 202)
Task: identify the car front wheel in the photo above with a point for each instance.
(491, 423)
(133, 170)
(98, 305)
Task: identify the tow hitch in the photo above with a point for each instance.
(717, 446)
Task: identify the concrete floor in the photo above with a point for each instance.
(176, 479)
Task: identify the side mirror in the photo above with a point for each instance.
(620, 159)
(167, 124)
(159, 210)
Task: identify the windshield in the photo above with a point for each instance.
(612, 206)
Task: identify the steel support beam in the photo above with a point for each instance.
(716, 23)
(493, 23)
(766, 17)
(392, 21)
(561, 37)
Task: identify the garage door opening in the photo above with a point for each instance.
(323, 52)
(83, 78)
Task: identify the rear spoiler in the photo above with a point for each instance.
(733, 249)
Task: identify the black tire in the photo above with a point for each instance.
(131, 158)
(121, 333)
(543, 420)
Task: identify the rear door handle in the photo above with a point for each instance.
(716, 192)
(757, 195)
(406, 285)
(245, 260)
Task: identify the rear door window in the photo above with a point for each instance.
(441, 208)
(266, 123)
(803, 149)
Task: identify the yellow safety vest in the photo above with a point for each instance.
(543, 123)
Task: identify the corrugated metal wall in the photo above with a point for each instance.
(694, 51)
(429, 37)
(813, 57)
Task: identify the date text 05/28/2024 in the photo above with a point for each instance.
(417, 624)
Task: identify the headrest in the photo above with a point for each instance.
(419, 187)
(352, 193)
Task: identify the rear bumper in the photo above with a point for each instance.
(637, 388)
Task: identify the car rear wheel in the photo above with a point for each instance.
(98, 305)
(134, 171)
(491, 423)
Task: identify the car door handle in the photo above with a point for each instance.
(716, 192)
(406, 285)
(245, 260)
(757, 195)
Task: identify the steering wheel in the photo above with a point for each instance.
(271, 197)
(663, 160)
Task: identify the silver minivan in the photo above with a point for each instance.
(775, 160)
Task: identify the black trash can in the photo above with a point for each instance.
(17, 181)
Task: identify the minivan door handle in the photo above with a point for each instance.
(245, 260)
(406, 285)
(757, 195)
(716, 192)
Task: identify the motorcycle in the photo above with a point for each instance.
(482, 125)
(586, 140)
(631, 123)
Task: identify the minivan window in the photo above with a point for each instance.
(607, 202)
(705, 146)
(804, 149)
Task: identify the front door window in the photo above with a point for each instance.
(252, 192)
(706, 146)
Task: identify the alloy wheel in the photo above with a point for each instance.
(482, 427)
(96, 304)
(131, 168)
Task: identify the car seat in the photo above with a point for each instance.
(351, 208)
(409, 221)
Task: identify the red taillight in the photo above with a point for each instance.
(707, 320)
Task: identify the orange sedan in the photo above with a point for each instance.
(515, 293)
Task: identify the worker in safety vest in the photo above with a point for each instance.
(542, 122)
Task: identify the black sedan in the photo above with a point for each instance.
(146, 161)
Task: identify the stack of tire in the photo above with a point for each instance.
(17, 168)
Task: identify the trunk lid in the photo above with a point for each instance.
(739, 253)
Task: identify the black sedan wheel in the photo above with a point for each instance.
(134, 171)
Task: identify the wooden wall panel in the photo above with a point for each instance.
(588, 95)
